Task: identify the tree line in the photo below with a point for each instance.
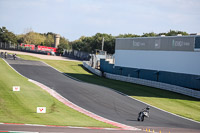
(89, 44)
(31, 37)
(86, 44)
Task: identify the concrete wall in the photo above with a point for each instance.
(164, 86)
(178, 79)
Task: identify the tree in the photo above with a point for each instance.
(64, 41)
(89, 44)
(82, 44)
(7, 36)
(33, 38)
(64, 44)
(61, 48)
(127, 36)
(151, 34)
(174, 33)
(49, 40)
(20, 38)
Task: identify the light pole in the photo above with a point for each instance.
(102, 44)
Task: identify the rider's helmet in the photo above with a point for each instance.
(147, 108)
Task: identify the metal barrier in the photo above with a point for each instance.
(95, 71)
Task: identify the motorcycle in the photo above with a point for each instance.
(5, 55)
(142, 114)
(14, 56)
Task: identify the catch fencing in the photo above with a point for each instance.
(77, 54)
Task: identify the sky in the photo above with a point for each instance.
(75, 18)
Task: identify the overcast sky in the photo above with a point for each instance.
(75, 18)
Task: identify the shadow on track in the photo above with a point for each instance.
(130, 88)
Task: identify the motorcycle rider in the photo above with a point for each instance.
(141, 114)
(5, 55)
(2, 54)
(146, 109)
(14, 56)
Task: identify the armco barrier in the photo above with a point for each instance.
(164, 86)
(95, 71)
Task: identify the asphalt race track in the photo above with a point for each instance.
(100, 100)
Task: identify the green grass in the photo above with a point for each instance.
(28, 57)
(175, 103)
(20, 107)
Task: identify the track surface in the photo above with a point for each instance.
(99, 100)
(41, 129)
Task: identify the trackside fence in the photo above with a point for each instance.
(164, 86)
(155, 84)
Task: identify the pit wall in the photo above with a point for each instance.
(163, 86)
(151, 83)
(178, 79)
(186, 84)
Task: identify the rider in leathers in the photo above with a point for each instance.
(145, 110)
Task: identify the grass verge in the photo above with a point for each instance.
(29, 57)
(20, 107)
(172, 102)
